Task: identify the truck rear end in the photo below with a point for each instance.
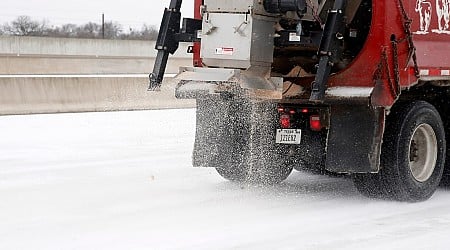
(353, 87)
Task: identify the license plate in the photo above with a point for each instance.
(289, 136)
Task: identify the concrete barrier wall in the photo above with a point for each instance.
(74, 94)
(87, 89)
(33, 65)
(37, 55)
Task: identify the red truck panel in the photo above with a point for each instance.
(432, 46)
(431, 20)
(196, 49)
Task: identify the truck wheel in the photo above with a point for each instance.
(266, 175)
(261, 171)
(232, 171)
(412, 156)
(248, 151)
(445, 181)
(271, 170)
(230, 162)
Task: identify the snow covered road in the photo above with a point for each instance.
(124, 180)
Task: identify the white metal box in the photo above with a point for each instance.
(237, 40)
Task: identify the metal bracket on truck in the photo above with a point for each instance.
(169, 38)
(330, 49)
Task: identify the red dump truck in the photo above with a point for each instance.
(356, 87)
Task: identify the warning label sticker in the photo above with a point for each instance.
(225, 51)
(293, 37)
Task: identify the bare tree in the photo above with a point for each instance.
(68, 30)
(112, 30)
(25, 26)
(149, 32)
(89, 30)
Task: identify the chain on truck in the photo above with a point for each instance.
(356, 87)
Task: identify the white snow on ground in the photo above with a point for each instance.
(124, 181)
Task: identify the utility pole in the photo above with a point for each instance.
(103, 25)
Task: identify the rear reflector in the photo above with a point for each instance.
(314, 123)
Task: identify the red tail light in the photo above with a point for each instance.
(285, 121)
(314, 123)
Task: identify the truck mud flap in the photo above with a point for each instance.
(354, 140)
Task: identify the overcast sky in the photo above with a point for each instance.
(129, 13)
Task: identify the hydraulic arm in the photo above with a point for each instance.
(169, 37)
(330, 49)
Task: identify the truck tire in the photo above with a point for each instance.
(445, 181)
(271, 168)
(232, 173)
(412, 155)
(249, 153)
(264, 174)
(231, 165)
(230, 160)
